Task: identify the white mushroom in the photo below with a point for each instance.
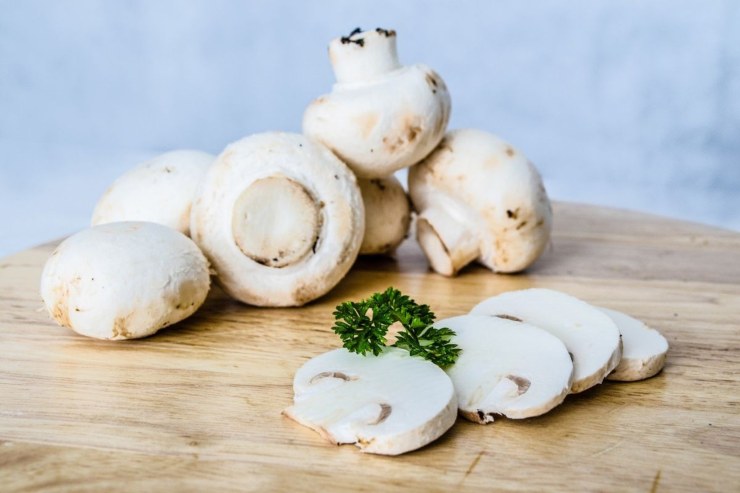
(644, 349)
(591, 337)
(124, 280)
(387, 404)
(478, 198)
(506, 368)
(380, 116)
(387, 215)
(280, 218)
(160, 190)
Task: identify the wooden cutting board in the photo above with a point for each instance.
(197, 407)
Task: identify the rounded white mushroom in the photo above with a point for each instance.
(478, 198)
(380, 116)
(124, 280)
(387, 215)
(644, 349)
(506, 368)
(386, 404)
(160, 190)
(591, 336)
(280, 218)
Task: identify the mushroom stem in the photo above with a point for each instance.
(447, 241)
(362, 56)
(276, 221)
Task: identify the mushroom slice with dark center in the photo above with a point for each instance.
(506, 368)
(590, 335)
(387, 404)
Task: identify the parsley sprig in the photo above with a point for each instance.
(362, 326)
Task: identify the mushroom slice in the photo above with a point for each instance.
(387, 404)
(124, 280)
(506, 368)
(387, 215)
(479, 199)
(280, 218)
(591, 337)
(644, 349)
(160, 190)
(380, 116)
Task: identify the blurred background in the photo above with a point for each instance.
(632, 104)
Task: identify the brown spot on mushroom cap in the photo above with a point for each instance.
(120, 328)
(509, 317)
(510, 151)
(366, 123)
(406, 134)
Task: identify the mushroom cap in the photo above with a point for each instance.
(124, 280)
(386, 404)
(280, 218)
(160, 190)
(590, 336)
(643, 349)
(489, 188)
(387, 117)
(506, 367)
(387, 215)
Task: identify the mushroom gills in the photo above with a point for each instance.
(387, 404)
(588, 334)
(506, 368)
(644, 349)
(276, 221)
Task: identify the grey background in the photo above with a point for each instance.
(634, 104)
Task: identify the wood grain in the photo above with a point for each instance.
(197, 407)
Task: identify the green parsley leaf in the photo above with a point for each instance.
(362, 326)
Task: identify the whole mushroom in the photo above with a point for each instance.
(380, 116)
(478, 198)
(160, 190)
(280, 218)
(387, 215)
(124, 280)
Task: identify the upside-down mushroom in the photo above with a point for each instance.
(160, 190)
(386, 404)
(381, 116)
(480, 199)
(280, 218)
(124, 280)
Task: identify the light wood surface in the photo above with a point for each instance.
(197, 407)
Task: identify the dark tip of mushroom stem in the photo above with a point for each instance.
(348, 39)
(385, 32)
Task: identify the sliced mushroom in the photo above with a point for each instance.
(387, 404)
(506, 368)
(124, 280)
(387, 215)
(590, 336)
(160, 190)
(280, 218)
(644, 349)
(480, 199)
(380, 116)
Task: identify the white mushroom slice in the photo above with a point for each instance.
(280, 218)
(506, 368)
(380, 116)
(387, 215)
(480, 199)
(644, 349)
(124, 280)
(591, 337)
(160, 190)
(387, 404)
